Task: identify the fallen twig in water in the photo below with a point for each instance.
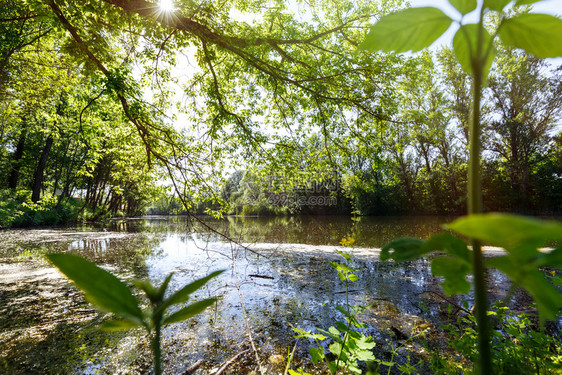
(229, 362)
(262, 277)
(191, 370)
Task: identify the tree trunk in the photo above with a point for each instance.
(18, 154)
(38, 176)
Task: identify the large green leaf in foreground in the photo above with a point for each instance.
(101, 288)
(497, 5)
(538, 34)
(411, 29)
(464, 6)
(521, 237)
(465, 46)
(507, 231)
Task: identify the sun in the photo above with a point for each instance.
(166, 5)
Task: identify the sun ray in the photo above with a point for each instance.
(166, 5)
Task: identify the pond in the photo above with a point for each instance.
(280, 278)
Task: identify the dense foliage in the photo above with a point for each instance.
(89, 89)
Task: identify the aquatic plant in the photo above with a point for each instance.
(414, 29)
(349, 344)
(109, 294)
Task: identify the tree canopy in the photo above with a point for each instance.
(101, 98)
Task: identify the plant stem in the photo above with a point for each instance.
(345, 336)
(475, 207)
(156, 350)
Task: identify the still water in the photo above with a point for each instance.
(278, 276)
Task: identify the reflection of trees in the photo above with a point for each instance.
(128, 253)
(312, 230)
(329, 230)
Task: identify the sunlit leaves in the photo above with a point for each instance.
(464, 6)
(110, 294)
(183, 294)
(344, 271)
(465, 44)
(538, 34)
(449, 244)
(316, 354)
(411, 29)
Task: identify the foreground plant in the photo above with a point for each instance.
(519, 348)
(539, 34)
(349, 344)
(109, 294)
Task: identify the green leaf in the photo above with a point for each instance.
(464, 6)
(329, 334)
(454, 270)
(538, 34)
(449, 244)
(343, 310)
(341, 276)
(346, 256)
(546, 296)
(164, 286)
(117, 325)
(335, 348)
(366, 343)
(101, 288)
(465, 46)
(316, 354)
(404, 249)
(307, 334)
(341, 326)
(525, 2)
(148, 289)
(352, 277)
(364, 355)
(342, 267)
(497, 5)
(334, 331)
(189, 311)
(508, 231)
(410, 29)
(183, 294)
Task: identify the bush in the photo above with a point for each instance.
(17, 210)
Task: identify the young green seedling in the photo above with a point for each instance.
(109, 294)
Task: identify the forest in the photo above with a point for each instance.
(243, 108)
(104, 117)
